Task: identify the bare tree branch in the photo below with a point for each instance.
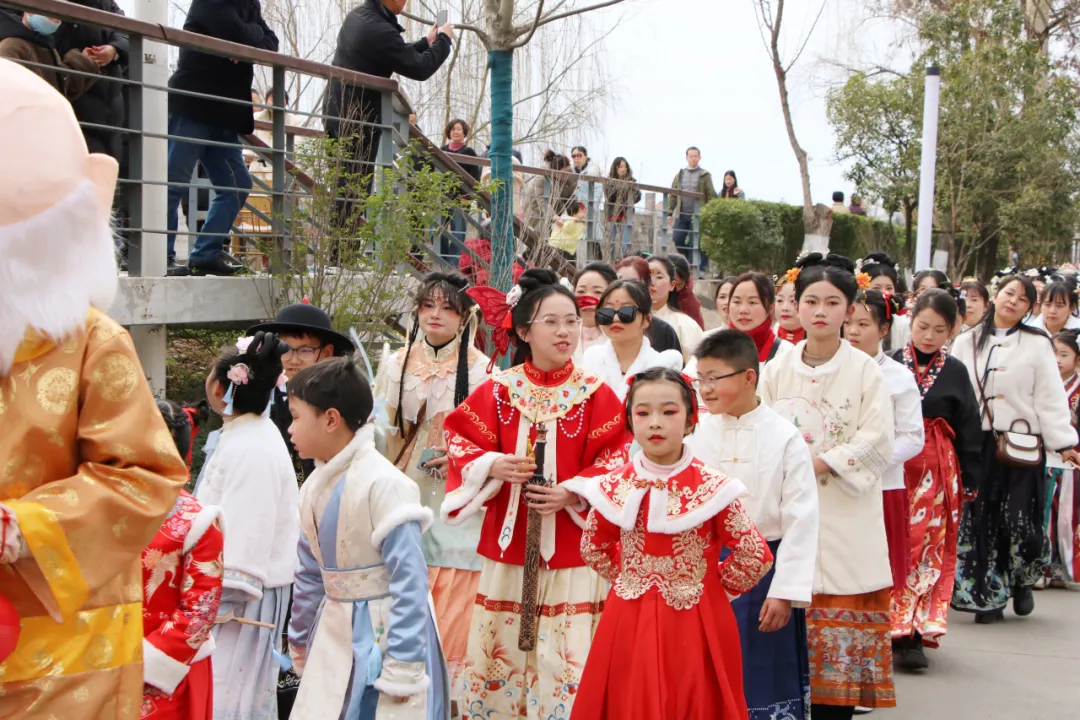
(577, 11)
(806, 40)
(483, 36)
(529, 31)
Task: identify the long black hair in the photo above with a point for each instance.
(600, 268)
(832, 268)
(615, 168)
(183, 422)
(451, 286)
(941, 280)
(986, 327)
(763, 285)
(1059, 289)
(263, 360)
(725, 191)
(536, 284)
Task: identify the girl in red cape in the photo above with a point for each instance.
(668, 643)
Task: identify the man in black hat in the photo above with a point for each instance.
(311, 338)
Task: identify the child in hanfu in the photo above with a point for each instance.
(362, 635)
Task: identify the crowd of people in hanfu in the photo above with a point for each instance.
(616, 514)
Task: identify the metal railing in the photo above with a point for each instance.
(149, 300)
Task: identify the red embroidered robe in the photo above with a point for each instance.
(590, 439)
(656, 534)
(182, 571)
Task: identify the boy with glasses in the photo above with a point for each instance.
(745, 439)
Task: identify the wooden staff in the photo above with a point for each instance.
(530, 578)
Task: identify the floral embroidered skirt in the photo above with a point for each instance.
(1063, 522)
(502, 681)
(1003, 542)
(850, 650)
(921, 603)
(453, 593)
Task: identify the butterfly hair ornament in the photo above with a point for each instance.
(497, 308)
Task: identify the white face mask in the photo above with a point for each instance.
(42, 25)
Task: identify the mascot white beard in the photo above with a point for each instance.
(57, 258)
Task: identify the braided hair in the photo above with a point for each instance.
(451, 288)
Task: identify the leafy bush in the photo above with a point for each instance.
(743, 235)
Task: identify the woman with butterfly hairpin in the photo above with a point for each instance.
(490, 443)
(423, 382)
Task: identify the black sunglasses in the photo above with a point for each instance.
(606, 316)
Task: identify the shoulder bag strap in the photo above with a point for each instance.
(980, 381)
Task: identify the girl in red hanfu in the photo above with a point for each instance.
(489, 442)
(668, 644)
(182, 573)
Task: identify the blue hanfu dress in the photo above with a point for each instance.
(394, 650)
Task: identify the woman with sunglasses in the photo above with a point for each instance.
(624, 314)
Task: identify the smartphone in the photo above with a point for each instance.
(427, 456)
(441, 18)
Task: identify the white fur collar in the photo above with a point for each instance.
(55, 267)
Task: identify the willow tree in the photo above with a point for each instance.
(506, 26)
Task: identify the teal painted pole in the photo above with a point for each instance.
(501, 63)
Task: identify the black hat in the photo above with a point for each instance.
(306, 319)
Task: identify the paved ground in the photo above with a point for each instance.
(1019, 669)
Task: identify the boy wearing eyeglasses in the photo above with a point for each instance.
(744, 438)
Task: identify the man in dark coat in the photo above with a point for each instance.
(20, 42)
(370, 42)
(103, 103)
(200, 118)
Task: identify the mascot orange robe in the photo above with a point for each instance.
(88, 469)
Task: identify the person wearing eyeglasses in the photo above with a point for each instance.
(624, 314)
(743, 437)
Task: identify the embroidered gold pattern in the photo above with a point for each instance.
(468, 412)
(603, 429)
(746, 564)
(597, 556)
(679, 577)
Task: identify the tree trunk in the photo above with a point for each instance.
(501, 63)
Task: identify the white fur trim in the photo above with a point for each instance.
(727, 494)
(202, 522)
(400, 516)
(603, 505)
(402, 679)
(205, 650)
(160, 670)
(477, 488)
(56, 266)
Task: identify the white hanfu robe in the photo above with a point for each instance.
(362, 632)
(250, 477)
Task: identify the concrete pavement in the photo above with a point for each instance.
(1019, 669)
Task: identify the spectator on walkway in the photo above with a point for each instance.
(693, 178)
(838, 206)
(731, 187)
(202, 119)
(566, 232)
(620, 197)
(455, 136)
(586, 168)
(103, 103)
(543, 202)
(29, 38)
(856, 207)
(370, 42)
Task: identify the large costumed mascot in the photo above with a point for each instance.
(88, 469)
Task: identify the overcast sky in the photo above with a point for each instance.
(695, 72)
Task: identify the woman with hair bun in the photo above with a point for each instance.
(250, 478)
(423, 382)
(490, 442)
(881, 269)
(665, 304)
(938, 480)
(838, 399)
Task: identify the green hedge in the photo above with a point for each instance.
(743, 235)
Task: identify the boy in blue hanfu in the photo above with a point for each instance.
(362, 636)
